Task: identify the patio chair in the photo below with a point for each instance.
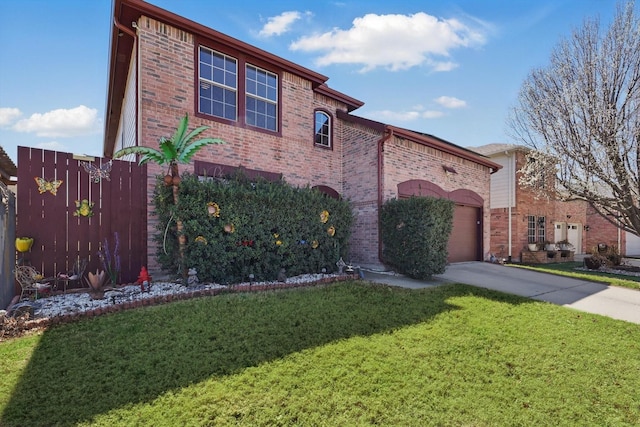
(27, 277)
(74, 276)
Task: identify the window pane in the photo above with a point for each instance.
(205, 56)
(205, 71)
(262, 91)
(205, 106)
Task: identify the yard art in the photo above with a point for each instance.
(84, 208)
(98, 173)
(50, 186)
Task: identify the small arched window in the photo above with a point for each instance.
(322, 129)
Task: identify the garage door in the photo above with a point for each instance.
(464, 240)
(632, 245)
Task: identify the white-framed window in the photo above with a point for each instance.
(218, 84)
(322, 128)
(536, 230)
(261, 98)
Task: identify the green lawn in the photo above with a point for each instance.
(339, 355)
(569, 269)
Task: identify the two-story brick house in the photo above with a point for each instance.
(278, 119)
(520, 216)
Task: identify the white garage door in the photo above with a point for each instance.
(633, 245)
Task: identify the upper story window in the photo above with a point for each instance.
(218, 84)
(261, 89)
(322, 129)
(230, 88)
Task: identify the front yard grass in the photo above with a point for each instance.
(569, 269)
(350, 353)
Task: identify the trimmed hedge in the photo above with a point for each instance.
(415, 234)
(235, 227)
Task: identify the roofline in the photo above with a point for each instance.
(423, 139)
(124, 12)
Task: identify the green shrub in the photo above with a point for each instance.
(415, 234)
(235, 227)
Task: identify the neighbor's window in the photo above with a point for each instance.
(323, 129)
(261, 89)
(536, 229)
(218, 75)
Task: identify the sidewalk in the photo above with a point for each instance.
(591, 297)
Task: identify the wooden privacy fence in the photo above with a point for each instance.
(7, 244)
(52, 184)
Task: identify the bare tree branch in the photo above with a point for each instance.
(581, 114)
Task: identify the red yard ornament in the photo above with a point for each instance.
(144, 280)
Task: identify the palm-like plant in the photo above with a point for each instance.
(179, 149)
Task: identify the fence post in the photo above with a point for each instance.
(7, 245)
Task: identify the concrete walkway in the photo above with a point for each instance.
(615, 302)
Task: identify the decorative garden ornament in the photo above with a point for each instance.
(50, 186)
(98, 173)
(84, 208)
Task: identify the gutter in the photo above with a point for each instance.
(388, 133)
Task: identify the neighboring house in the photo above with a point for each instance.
(519, 216)
(279, 119)
(8, 170)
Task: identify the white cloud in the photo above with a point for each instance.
(52, 145)
(277, 25)
(61, 123)
(8, 116)
(432, 114)
(396, 42)
(389, 116)
(451, 102)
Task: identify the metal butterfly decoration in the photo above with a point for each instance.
(50, 186)
(98, 173)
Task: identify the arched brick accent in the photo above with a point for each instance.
(466, 197)
(328, 191)
(419, 187)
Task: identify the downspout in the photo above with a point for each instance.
(388, 134)
(510, 202)
(123, 28)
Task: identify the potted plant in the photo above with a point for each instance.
(96, 283)
(548, 246)
(564, 245)
(533, 247)
(23, 244)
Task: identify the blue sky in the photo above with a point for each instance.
(451, 68)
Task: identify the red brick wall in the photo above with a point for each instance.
(403, 160)
(167, 92)
(360, 164)
(602, 231)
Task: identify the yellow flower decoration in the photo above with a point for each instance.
(331, 231)
(229, 228)
(324, 216)
(314, 244)
(213, 209)
(278, 242)
(276, 235)
(201, 239)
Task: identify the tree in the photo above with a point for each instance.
(179, 149)
(581, 115)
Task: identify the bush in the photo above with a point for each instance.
(235, 227)
(415, 234)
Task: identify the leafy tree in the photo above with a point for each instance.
(180, 148)
(580, 116)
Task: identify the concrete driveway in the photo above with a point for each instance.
(618, 303)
